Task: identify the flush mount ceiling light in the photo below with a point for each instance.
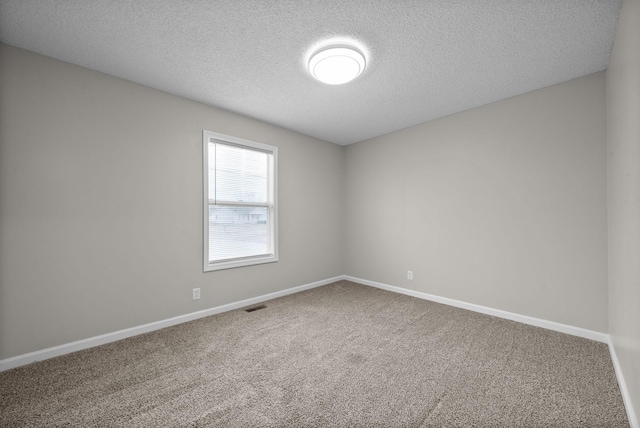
(337, 64)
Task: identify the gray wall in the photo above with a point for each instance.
(502, 206)
(101, 205)
(623, 139)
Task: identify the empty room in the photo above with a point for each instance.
(363, 213)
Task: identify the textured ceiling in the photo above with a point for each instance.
(427, 59)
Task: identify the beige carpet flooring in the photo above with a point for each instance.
(341, 355)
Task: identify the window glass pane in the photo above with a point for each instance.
(240, 202)
(237, 174)
(237, 232)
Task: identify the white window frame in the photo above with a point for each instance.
(271, 205)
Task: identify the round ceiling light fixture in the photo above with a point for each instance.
(337, 64)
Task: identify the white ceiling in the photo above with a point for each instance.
(427, 59)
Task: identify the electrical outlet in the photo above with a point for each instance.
(196, 294)
(410, 274)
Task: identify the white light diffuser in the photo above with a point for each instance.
(336, 65)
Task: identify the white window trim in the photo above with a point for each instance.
(207, 136)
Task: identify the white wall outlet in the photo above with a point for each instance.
(410, 274)
(196, 294)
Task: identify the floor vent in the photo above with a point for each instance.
(256, 308)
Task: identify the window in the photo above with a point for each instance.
(240, 204)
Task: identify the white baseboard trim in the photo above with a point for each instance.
(633, 421)
(550, 325)
(55, 351)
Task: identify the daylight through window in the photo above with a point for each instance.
(240, 202)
